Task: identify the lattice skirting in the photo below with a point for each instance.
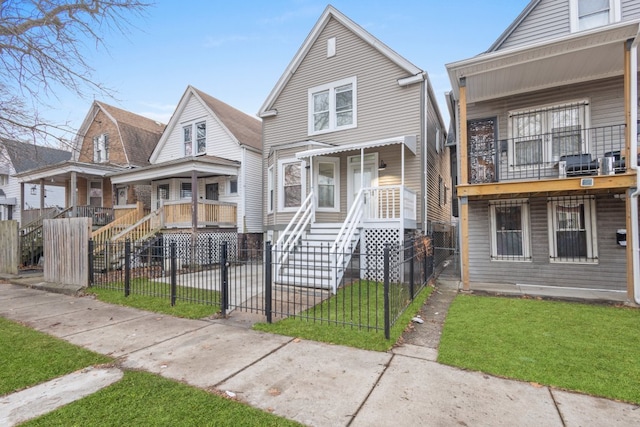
(373, 254)
(206, 250)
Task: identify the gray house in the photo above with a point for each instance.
(354, 146)
(546, 139)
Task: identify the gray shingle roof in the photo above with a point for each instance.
(26, 156)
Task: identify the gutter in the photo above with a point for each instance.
(633, 156)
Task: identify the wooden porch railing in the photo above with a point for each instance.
(210, 213)
(142, 229)
(121, 222)
(394, 202)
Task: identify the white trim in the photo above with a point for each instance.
(303, 183)
(525, 227)
(370, 159)
(614, 15)
(590, 228)
(335, 161)
(271, 194)
(331, 89)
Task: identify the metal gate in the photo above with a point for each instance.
(446, 249)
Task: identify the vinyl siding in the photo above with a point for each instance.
(219, 143)
(606, 103)
(250, 191)
(548, 20)
(438, 166)
(630, 10)
(12, 188)
(384, 109)
(609, 273)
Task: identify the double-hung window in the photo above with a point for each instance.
(572, 229)
(333, 106)
(510, 230)
(587, 14)
(270, 192)
(185, 190)
(200, 131)
(101, 148)
(291, 185)
(543, 135)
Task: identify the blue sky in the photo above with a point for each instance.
(236, 51)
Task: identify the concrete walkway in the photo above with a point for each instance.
(313, 383)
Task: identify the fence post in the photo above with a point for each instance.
(224, 280)
(174, 264)
(268, 282)
(127, 267)
(412, 260)
(387, 315)
(91, 245)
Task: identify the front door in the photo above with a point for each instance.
(359, 177)
(211, 191)
(95, 194)
(481, 135)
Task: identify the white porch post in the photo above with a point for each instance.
(74, 192)
(361, 169)
(41, 196)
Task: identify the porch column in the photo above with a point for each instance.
(21, 201)
(402, 162)
(361, 169)
(464, 179)
(41, 196)
(194, 202)
(74, 192)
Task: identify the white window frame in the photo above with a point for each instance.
(614, 14)
(335, 162)
(303, 178)
(331, 88)
(4, 179)
(195, 140)
(546, 130)
(589, 203)
(180, 190)
(270, 190)
(100, 146)
(438, 136)
(229, 189)
(525, 227)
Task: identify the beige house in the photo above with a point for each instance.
(353, 146)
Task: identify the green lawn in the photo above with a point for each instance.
(30, 357)
(352, 305)
(150, 295)
(144, 399)
(583, 347)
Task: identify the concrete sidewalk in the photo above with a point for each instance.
(314, 383)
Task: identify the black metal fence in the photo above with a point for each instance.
(374, 289)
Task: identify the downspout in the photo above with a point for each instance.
(425, 149)
(633, 156)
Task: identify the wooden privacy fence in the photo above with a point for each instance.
(66, 244)
(9, 249)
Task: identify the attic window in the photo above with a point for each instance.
(587, 14)
(331, 47)
(101, 148)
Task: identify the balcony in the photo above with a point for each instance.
(565, 152)
(178, 214)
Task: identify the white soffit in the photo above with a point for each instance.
(408, 141)
(575, 59)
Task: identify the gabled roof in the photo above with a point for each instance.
(139, 134)
(511, 28)
(332, 13)
(241, 127)
(26, 156)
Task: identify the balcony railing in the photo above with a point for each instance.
(564, 153)
(101, 216)
(393, 202)
(210, 213)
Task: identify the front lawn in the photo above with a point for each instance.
(583, 347)
(30, 357)
(336, 319)
(152, 295)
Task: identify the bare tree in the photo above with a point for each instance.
(41, 43)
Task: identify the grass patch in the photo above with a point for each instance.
(341, 332)
(30, 357)
(144, 399)
(588, 348)
(154, 296)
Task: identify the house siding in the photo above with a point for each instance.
(630, 10)
(609, 273)
(384, 109)
(438, 167)
(219, 143)
(251, 191)
(606, 103)
(548, 20)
